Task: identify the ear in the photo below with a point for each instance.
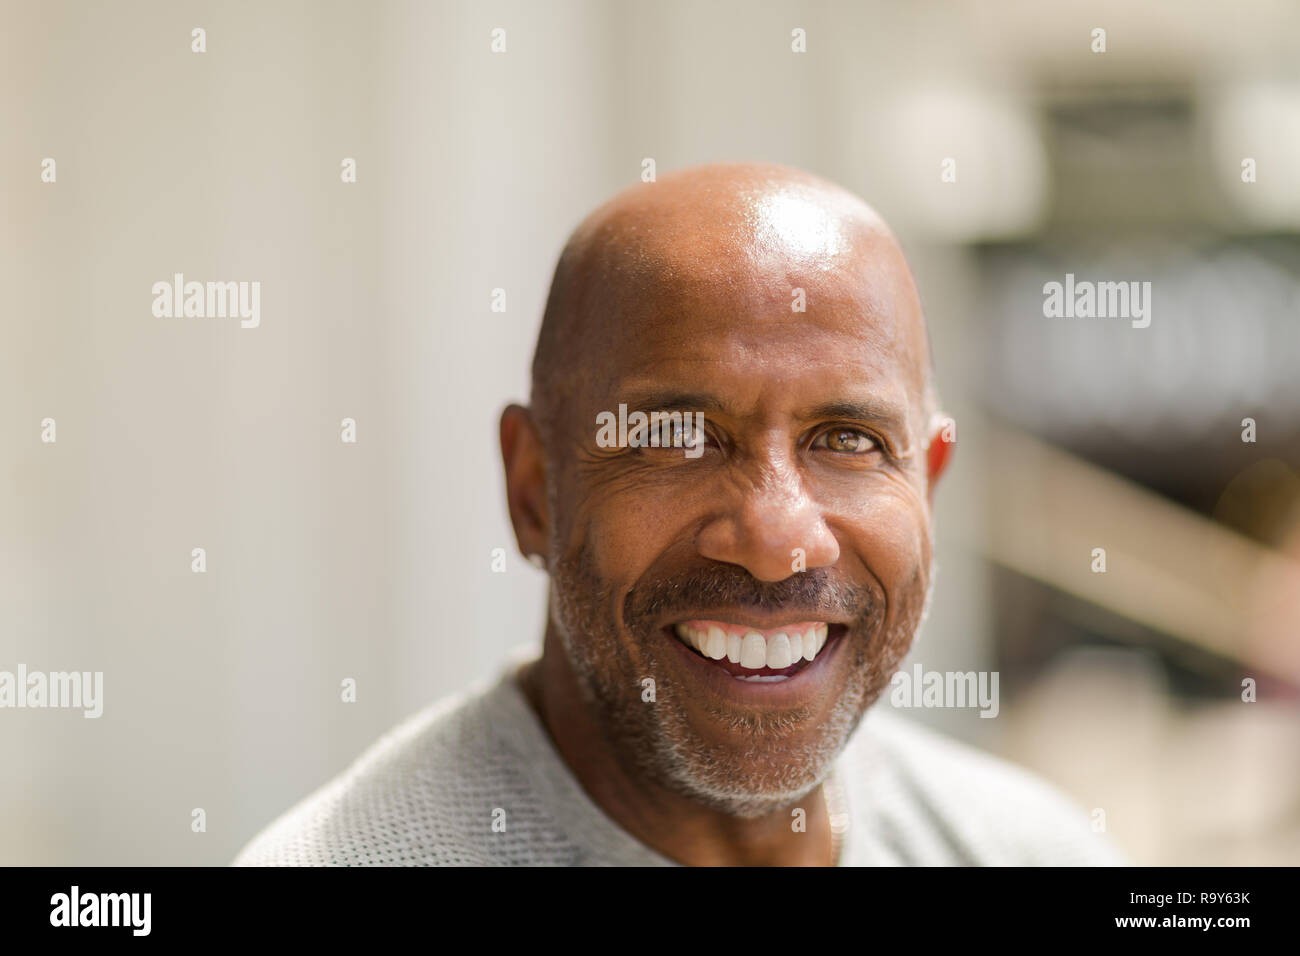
(943, 441)
(525, 467)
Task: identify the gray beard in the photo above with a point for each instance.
(655, 740)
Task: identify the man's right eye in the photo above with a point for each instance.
(685, 433)
(688, 434)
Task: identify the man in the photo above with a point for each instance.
(731, 588)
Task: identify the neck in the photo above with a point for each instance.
(664, 820)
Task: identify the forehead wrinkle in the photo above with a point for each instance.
(849, 362)
(712, 233)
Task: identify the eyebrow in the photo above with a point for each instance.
(881, 412)
(885, 413)
(673, 400)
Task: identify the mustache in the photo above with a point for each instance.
(815, 593)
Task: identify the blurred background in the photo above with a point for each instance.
(373, 561)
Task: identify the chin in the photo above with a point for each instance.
(758, 763)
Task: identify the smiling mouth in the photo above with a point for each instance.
(757, 655)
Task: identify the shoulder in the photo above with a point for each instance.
(930, 799)
(410, 799)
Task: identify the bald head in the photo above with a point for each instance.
(756, 230)
(770, 580)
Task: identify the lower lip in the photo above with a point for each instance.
(799, 688)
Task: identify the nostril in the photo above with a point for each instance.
(770, 538)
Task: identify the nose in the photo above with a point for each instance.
(771, 526)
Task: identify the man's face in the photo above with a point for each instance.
(802, 528)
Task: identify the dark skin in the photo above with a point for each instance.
(822, 438)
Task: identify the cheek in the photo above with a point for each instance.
(624, 531)
(890, 534)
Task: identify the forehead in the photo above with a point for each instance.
(718, 306)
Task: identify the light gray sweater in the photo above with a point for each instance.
(428, 792)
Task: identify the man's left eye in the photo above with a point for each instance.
(846, 440)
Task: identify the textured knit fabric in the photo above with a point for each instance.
(426, 793)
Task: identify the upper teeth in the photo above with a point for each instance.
(751, 649)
